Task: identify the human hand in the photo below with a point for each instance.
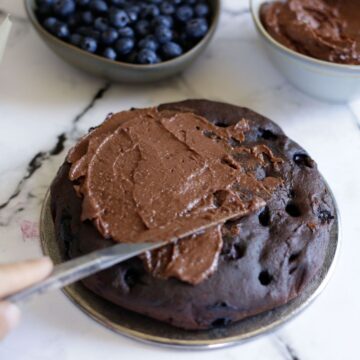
(14, 277)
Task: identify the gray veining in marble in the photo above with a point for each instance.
(45, 105)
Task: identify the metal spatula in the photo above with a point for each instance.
(83, 266)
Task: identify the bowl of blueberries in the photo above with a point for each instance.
(133, 41)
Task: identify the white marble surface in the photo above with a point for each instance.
(41, 98)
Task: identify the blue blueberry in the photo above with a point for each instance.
(109, 36)
(137, 31)
(163, 20)
(44, 7)
(142, 27)
(82, 2)
(89, 32)
(133, 15)
(202, 10)
(197, 28)
(50, 23)
(40, 3)
(150, 11)
(147, 56)
(148, 42)
(163, 34)
(44, 11)
(87, 17)
(61, 30)
(124, 46)
(132, 57)
(171, 50)
(89, 44)
(118, 18)
(98, 6)
(75, 39)
(64, 7)
(167, 8)
(110, 53)
(101, 24)
(184, 13)
(134, 8)
(118, 2)
(126, 32)
(73, 20)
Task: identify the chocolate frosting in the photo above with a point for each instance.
(324, 29)
(148, 175)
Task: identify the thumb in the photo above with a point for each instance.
(17, 276)
(9, 317)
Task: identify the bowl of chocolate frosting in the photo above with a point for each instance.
(314, 43)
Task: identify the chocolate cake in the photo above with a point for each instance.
(146, 173)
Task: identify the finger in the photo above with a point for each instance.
(14, 277)
(9, 317)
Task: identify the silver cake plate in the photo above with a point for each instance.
(147, 330)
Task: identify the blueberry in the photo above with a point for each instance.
(89, 32)
(142, 27)
(148, 42)
(126, 32)
(87, 17)
(44, 2)
(89, 44)
(118, 2)
(110, 53)
(137, 31)
(147, 56)
(163, 34)
(64, 7)
(50, 23)
(167, 8)
(44, 7)
(101, 24)
(73, 20)
(109, 36)
(201, 10)
(44, 11)
(132, 15)
(184, 13)
(82, 2)
(163, 20)
(197, 28)
(118, 18)
(303, 159)
(124, 46)
(61, 30)
(132, 57)
(186, 41)
(98, 6)
(134, 8)
(150, 11)
(75, 39)
(171, 50)
(325, 216)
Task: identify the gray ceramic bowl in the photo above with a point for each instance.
(121, 71)
(324, 80)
